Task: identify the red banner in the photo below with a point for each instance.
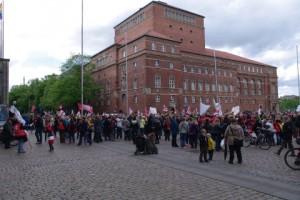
(32, 108)
(85, 107)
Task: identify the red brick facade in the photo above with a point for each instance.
(160, 53)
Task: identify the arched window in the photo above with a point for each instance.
(135, 82)
(252, 87)
(107, 87)
(157, 81)
(238, 84)
(245, 85)
(259, 90)
(172, 82)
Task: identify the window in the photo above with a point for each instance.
(135, 83)
(171, 65)
(207, 86)
(207, 100)
(245, 85)
(193, 85)
(231, 88)
(153, 46)
(123, 97)
(124, 54)
(163, 48)
(219, 72)
(184, 68)
(212, 72)
(230, 74)
(200, 99)
(172, 98)
(259, 92)
(108, 102)
(253, 101)
(135, 99)
(252, 87)
(199, 70)
(226, 100)
(220, 99)
(172, 49)
(134, 48)
(213, 87)
(193, 69)
(157, 81)
(193, 99)
(238, 85)
(107, 87)
(186, 101)
(156, 63)
(225, 74)
(172, 82)
(157, 98)
(185, 84)
(231, 100)
(206, 71)
(200, 85)
(135, 65)
(220, 87)
(225, 87)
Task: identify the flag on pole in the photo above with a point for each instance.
(195, 111)
(235, 110)
(218, 108)
(130, 111)
(183, 112)
(203, 108)
(147, 112)
(189, 111)
(33, 108)
(165, 109)
(259, 111)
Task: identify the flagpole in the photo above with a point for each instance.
(127, 111)
(2, 31)
(216, 77)
(298, 72)
(81, 58)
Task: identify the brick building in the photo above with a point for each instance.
(159, 58)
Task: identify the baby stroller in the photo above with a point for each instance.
(145, 145)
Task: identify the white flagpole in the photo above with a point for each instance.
(298, 72)
(216, 76)
(81, 57)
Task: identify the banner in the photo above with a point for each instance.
(203, 108)
(235, 110)
(189, 111)
(298, 108)
(18, 116)
(85, 107)
(165, 109)
(218, 108)
(153, 110)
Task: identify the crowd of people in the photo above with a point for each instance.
(190, 130)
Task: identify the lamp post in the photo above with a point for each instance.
(298, 72)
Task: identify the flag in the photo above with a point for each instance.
(85, 107)
(203, 108)
(259, 111)
(1, 11)
(139, 113)
(183, 112)
(175, 111)
(78, 114)
(60, 107)
(14, 110)
(189, 111)
(130, 111)
(33, 108)
(235, 110)
(195, 111)
(165, 109)
(153, 110)
(147, 112)
(218, 108)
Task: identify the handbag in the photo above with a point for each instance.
(236, 141)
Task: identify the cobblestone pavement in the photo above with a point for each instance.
(109, 170)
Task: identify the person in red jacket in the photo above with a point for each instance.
(20, 135)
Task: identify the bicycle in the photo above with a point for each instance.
(292, 158)
(262, 140)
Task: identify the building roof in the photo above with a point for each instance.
(229, 56)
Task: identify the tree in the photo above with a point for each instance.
(289, 104)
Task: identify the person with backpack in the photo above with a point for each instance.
(183, 131)
(72, 128)
(166, 128)
(287, 136)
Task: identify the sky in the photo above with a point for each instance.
(40, 35)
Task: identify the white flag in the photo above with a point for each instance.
(203, 108)
(218, 108)
(235, 110)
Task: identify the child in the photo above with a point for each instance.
(203, 142)
(211, 146)
(51, 140)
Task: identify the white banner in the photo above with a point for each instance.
(203, 108)
(153, 110)
(298, 108)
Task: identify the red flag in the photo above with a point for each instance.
(139, 113)
(33, 108)
(189, 110)
(165, 109)
(85, 107)
(147, 112)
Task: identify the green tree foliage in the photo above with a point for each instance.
(53, 90)
(289, 104)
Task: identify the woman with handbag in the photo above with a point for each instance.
(234, 136)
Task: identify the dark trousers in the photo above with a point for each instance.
(6, 141)
(167, 135)
(203, 153)
(174, 140)
(38, 135)
(237, 149)
(157, 137)
(83, 136)
(210, 154)
(284, 143)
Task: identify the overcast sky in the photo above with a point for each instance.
(40, 35)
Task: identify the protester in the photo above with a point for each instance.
(39, 128)
(234, 131)
(211, 146)
(183, 131)
(20, 135)
(7, 133)
(203, 143)
(286, 135)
